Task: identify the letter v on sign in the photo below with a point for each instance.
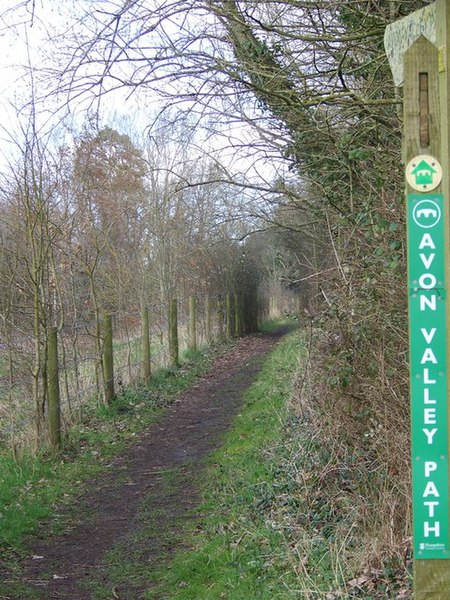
(428, 335)
(427, 261)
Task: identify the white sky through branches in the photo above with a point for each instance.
(33, 41)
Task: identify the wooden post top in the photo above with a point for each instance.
(399, 36)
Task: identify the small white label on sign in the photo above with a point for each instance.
(423, 173)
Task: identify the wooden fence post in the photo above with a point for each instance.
(54, 407)
(237, 316)
(250, 312)
(192, 323)
(228, 317)
(426, 96)
(207, 318)
(108, 360)
(432, 577)
(220, 317)
(418, 48)
(254, 312)
(146, 352)
(173, 333)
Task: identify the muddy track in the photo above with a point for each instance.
(137, 509)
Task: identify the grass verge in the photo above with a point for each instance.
(33, 487)
(242, 551)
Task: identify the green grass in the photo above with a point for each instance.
(278, 523)
(274, 324)
(241, 552)
(32, 487)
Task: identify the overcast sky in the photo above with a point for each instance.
(24, 43)
(25, 48)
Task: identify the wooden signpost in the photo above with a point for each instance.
(419, 52)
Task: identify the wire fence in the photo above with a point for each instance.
(80, 352)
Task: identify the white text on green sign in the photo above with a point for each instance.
(428, 368)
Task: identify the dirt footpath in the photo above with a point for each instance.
(138, 507)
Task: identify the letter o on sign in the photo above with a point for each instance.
(427, 281)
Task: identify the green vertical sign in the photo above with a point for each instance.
(428, 369)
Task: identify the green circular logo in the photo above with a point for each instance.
(427, 214)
